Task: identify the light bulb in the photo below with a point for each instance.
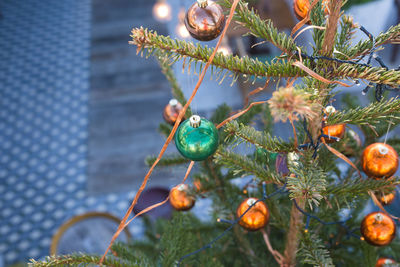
(162, 11)
(225, 50)
(182, 31)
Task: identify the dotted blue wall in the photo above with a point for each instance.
(44, 90)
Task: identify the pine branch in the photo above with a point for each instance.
(264, 29)
(312, 251)
(178, 49)
(80, 260)
(372, 74)
(364, 47)
(165, 129)
(343, 40)
(308, 182)
(124, 252)
(169, 160)
(261, 139)
(376, 112)
(176, 89)
(317, 17)
(242, 166)
(221, 113)
(359, 186)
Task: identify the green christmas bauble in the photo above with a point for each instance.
(196, 138)
(261, 155)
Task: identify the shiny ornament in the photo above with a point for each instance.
(151, 196)
(379, 160)
(171, 111)
(301, 8)
(336, 130)
(180, 199)
(205, 20)
(256, 218)
(262, 155)
(382, 262)
(196, 138)
(281, 164)
(386, 199)
(378, 229)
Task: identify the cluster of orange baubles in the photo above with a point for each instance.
(378, 161)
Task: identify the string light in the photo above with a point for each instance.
(182, 31)
(181, 28)
(225, 48)
(310, 216)
(162, 11)
(379, 88)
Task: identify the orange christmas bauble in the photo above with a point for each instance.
(180, 199)
(336, 130)
(301, 8)
(378, 229)
(379, 160)
(256, 218)
(384, 261)
(386, 199)
(171, 111)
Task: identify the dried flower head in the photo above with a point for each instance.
(286, 103)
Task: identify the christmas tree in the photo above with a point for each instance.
(305, 209)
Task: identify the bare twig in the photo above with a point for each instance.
(277, 256)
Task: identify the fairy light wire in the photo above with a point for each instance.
(379, 88)
(310, 216)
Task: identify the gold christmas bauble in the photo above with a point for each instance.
(386, 199)
(171, 111)
(378, 229)
(336, 130)
(180, 199)
(205, 20)
(301, 8)
(379, 160)
(256, 218)
(384, 261)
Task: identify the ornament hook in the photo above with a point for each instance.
(202, 3)
(195, 121)
(378, 217)
(330, 109)
(383, 150)
(181, 187)
(173, 102)
(251, 201)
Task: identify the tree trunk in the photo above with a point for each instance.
(292, 242)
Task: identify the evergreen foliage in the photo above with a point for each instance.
(319, 184)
